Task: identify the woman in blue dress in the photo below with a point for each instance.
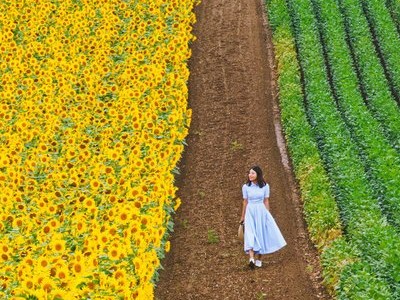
(261, 234)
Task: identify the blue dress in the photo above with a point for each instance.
(261, 233)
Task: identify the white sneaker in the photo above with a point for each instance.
(258, 263)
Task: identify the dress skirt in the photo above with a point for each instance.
(261, 233)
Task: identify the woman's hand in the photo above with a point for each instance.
(241, 220)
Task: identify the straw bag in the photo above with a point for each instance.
(241, 231)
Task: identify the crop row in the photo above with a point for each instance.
(387, 38)
(365, 226)
(394, 9)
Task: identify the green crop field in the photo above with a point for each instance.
(338, 77)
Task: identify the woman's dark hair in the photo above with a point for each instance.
(260, 178)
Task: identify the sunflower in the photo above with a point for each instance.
(28, 284)
(80, 225)
(58, 245)
(94, 184)
(47, 285)
(77, 269)
(104, 238)
(167, 246)
(4, 253)
(114, 253)
(89, 203)
(4, 160)
(43, 263)
(62, 273)
(123, 217)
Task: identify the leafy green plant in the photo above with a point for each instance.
(212, 237)
(201, 194)
(261, 296)
(185, 224)
(236, 145)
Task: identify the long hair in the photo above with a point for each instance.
(260, 178)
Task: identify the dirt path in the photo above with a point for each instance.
(234, 127)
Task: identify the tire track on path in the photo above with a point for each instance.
(231, 94)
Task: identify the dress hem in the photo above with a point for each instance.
(266, 252)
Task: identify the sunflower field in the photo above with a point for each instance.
(93, 120)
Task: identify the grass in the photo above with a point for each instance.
(212, 237)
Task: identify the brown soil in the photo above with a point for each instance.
(235, 125)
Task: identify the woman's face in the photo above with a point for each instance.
(252, 175)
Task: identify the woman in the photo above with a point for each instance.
(261, 234)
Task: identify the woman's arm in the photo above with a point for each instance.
(243, 210)
(266, 203)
